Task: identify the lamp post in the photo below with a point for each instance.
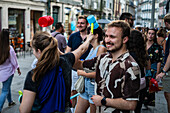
(101, 7)
(48, 7)
(153, 13)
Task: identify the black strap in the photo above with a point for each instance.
(56, 34)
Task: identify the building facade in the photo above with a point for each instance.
(144, 12)
(163, 10)
(21, 17)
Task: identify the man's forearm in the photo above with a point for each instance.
(167, 64)
(122, 104)
(68, 49)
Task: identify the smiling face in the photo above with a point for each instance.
(113, 39)
(82, 25)
(151, 35)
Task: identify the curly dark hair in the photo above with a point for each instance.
(137, 45)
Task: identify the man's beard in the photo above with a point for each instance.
(116, 49)
(131, 25)
(83, 29)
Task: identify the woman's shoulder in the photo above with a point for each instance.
(29, 74)
(102, 49)
(29, 83)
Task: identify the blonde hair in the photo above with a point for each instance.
(83, 17)
(49, 56)
(123, 25)
(167, 18)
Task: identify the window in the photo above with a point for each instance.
(104, 3)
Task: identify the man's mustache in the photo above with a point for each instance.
(110, 43)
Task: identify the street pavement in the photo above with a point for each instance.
(25, 66)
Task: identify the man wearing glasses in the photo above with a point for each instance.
(128, 18)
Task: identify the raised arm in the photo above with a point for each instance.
(68, 49)
(80, 51)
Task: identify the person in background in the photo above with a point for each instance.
(161, 36)
(84, 100)
(58, 34)
(161, 39)
(138, 27)
(165, 72)
(136, 43)
(155, 57)
(53, 29)
(117, 73)
(48, 85)
(75, 40)
(128, 18)
(154, 52)
(8, 66)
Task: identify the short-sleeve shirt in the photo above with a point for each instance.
(155, 53)
(66, 63)
(118, 79)
(75, 40)
(61, 41)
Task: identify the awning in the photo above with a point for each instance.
(103, 21)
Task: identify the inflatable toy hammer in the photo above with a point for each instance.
(153, 86)
(93, 23)
(45, 21)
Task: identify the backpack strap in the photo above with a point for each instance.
(56, 34)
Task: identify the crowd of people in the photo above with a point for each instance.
(117, 66)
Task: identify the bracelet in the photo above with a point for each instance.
(163, 71)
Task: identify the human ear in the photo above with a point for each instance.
(39, 51)
(125, 39)
(96, 35)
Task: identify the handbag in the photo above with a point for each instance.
(79, 85)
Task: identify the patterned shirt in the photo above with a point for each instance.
(155, 53)
(118, 79)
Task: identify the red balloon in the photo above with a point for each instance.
(45, 21)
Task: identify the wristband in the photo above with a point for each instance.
(103, 101)
(163, 71)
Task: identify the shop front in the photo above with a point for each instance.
(55, 14)
(16, 25)
(34, 26)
